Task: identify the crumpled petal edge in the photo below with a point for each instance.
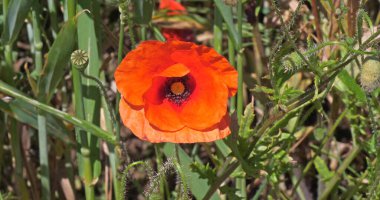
(134, 118)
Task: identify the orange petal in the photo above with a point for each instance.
(208, 102)
(134, 118)
(160, 112)
(176, 70)
(220, 65)
(163, 116)
(135, 73)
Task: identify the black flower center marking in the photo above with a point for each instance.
(178, 89)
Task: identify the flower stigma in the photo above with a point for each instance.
(177, 88)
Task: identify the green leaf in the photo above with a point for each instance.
(27, 114)
(322, 169)
(85, 125)
(204, 171)
(226, 13)
(230, 192)
(57, 59)
(246, 121)
(17, 12)
(198, 186)
(143, 10)
(352, 86)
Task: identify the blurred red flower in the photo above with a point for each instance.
(173, 7)
(175, 91)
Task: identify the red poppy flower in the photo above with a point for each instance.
(174, 7)
(175, 91)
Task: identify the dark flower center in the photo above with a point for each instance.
(178, 89)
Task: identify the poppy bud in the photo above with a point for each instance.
(370, 74)
(292, 62)
(80, 59)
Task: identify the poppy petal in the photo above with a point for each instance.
(134, 118)
(207, 104)
(176, 70)
(221, 65)
(138, 68)
(163, 115)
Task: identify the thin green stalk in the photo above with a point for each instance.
(114, 159)
(43, 155)
(16, 151)
(241, 184)
(88, 178)
(338, 174)
(53, 17)
(37, 42)
(324, 141)
(7, 73)
(143, 32)
(120, 56)
(177, 165)
(240, 60)
(218, 32)
(231, 58)
(95, 130)
(111, 124)
(124, 179)
(41, 118)
(130, 29)
(77, 83)
(164, 188)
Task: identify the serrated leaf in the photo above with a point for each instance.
(198, 186)
(246, 121)
(17, 12)
(352, 86)
(204, 171)
(322, 169)
(230, 192)
(57, 60)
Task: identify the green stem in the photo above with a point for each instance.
(130, 29)
(218, 34)
(183, 194)
(338, 174)
(104, 94)
(41, 118)
(87, 164)
(53, 17)
(37, 42)
(114, 158)
(164, 189)
(143, 32)
(124, 179)
(231, 58)
(16, 151)
(7, 72)
(95, 130)
(324, 141)
(43, 155)
(241, 184)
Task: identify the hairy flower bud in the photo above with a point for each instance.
(370, 74)
(292, 62)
